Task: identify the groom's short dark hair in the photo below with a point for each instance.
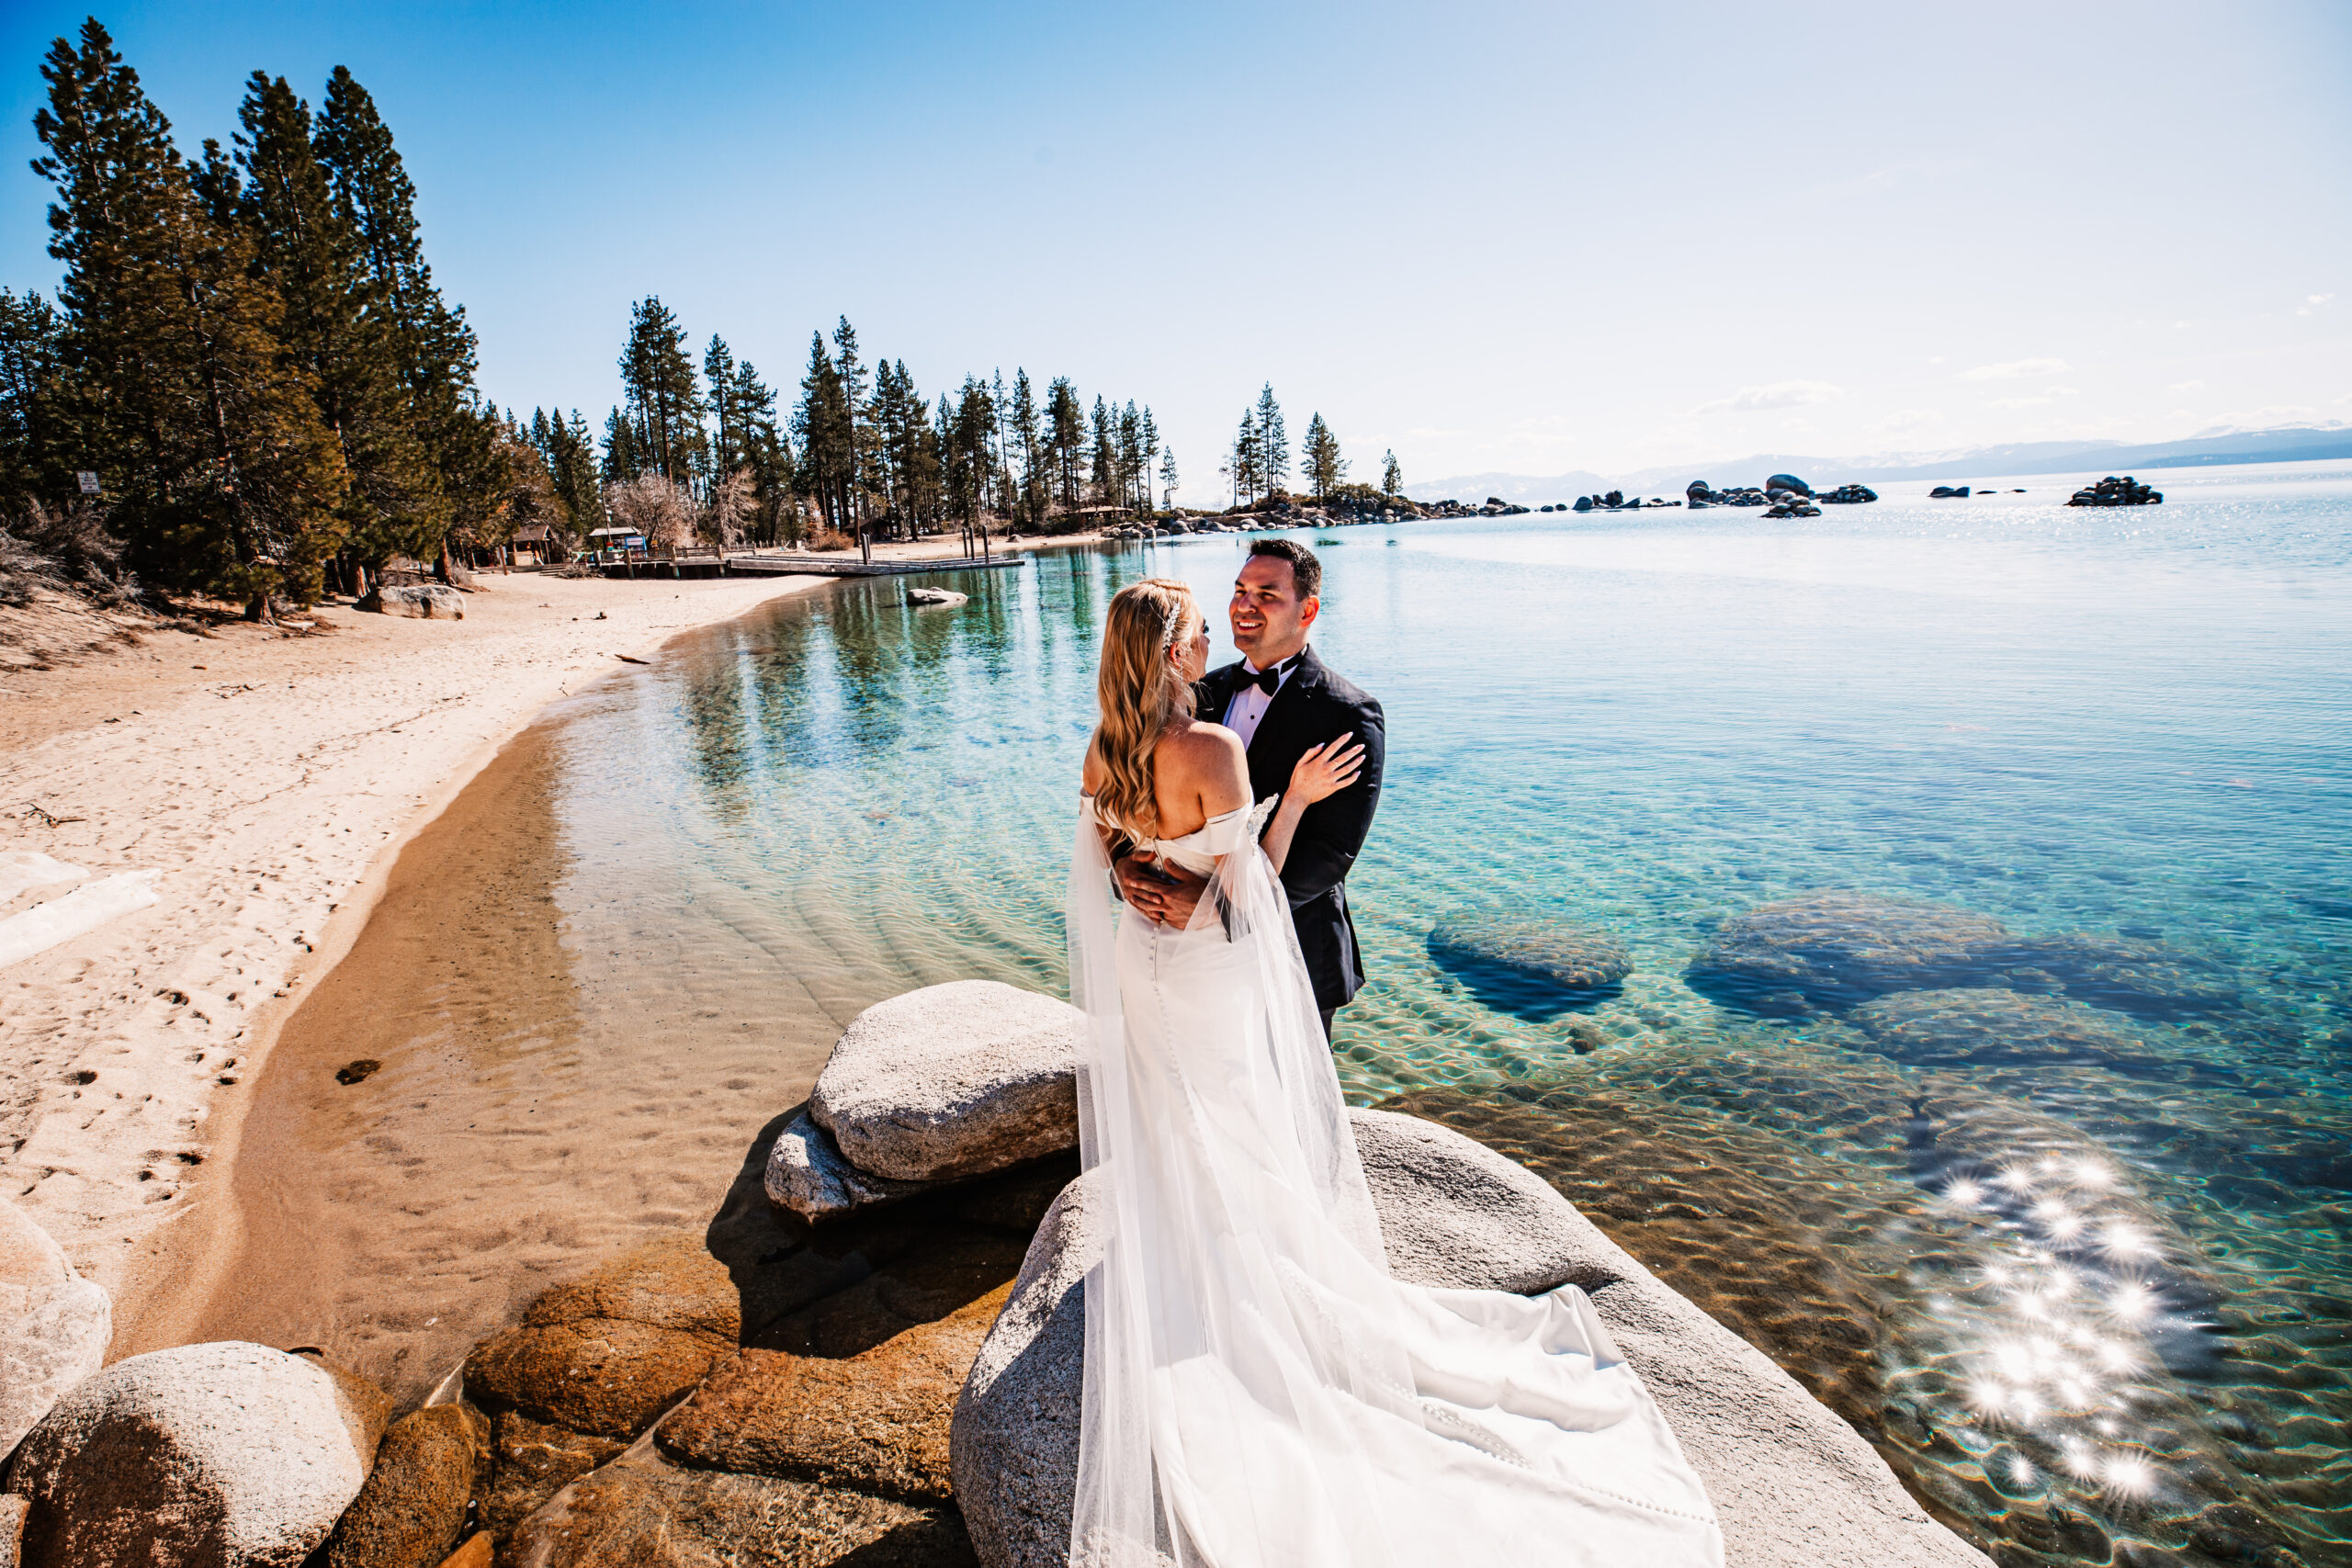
(1306, 572)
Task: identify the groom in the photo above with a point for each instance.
(1282, 701)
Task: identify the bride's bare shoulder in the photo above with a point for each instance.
(1200, 748)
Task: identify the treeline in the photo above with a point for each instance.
(863, 453)
(1258, 463)
(249, 385)
(247, 351)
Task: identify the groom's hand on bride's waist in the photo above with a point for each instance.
(1166, 896)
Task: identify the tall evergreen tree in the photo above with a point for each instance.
(863, 457)
(823, 426)
(1249, 458)
(1065, 438)
(184, 398)
(331, 324)
(1104, 452)
(570, 453)
(664, 402)
(434, 344)
(1025, 440)
(1324, 467)
(1150, 450)
(1273, 444)
(1167, 481)
(34, 461)
(1392, 478)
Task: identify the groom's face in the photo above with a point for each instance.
(1269, 620)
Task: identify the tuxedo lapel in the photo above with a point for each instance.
(1275, 749)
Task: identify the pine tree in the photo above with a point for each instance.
(1150, 450)
(823, 426)
(331, 324)
(1248, 461)
(862, 477)
(1392, 478)
(1065, 438)
(1273, 444)
(1167, 481)
(433, 343)
(570, 454)
(1025, 439)
(664, 401)
(1324, 467)
(34, 462)
(200, 423)
(1105, 453)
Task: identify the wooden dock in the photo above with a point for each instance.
(813, 566)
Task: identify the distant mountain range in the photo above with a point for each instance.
(2298, 443)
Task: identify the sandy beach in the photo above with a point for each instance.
(271, 779)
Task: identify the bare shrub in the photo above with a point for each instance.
(732, 504)
(830, 539)
(65, 547)
(654, 507)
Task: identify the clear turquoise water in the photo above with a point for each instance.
(2131, 722)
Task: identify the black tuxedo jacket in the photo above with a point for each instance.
(1313, 706)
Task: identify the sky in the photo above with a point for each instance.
(1517, 238)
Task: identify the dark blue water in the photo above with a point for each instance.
(2130, 724)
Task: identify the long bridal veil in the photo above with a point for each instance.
(1259, 1391)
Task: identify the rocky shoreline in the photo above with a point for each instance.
(892, 1382)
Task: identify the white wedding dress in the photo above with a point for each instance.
(1260, 1393)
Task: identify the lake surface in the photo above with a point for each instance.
(2132, 724)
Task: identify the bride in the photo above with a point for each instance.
(1259, 1391)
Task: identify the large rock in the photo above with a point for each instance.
(55, 1325)
(203, 1456)
(952, 1081)
(806, 1173)
(534, 1460)
(1453, 1211)
(420, 602)
(608, 1353)
(644, 1512)
(1792, 1484)
(861, 1387)
(1522, 960)
(1834, 949)
(412, 1508)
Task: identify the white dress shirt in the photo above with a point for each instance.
(1249, 704)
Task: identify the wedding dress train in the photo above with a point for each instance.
(1260, 1392)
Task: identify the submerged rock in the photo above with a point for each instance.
(533, 1460)
(1791, 1483)
(1834, 948)
(936, 596)
(645, 1512)
(2146, 979)
(608, 1353)
(205, 1455)
(1984, 1025)
(55, 1325)
(952, 1081)
(1549, 954)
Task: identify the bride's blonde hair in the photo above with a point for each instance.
(1143, 696)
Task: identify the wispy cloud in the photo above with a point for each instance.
(2312, 302)
(2186, 386)
(2049, 395)
(1904, 421)
(1778, 395)
(2011, 369)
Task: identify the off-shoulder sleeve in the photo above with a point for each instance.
(1228, 830)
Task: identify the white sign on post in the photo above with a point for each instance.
(89, 482)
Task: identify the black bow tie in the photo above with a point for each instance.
(1266, 681)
